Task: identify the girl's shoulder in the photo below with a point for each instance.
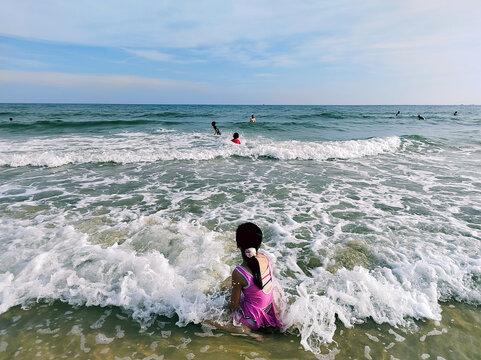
(242, 270)
(241, 276)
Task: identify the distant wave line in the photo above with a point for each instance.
(48, 124)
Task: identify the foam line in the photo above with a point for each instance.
(144, 148)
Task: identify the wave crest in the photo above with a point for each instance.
(141, 148)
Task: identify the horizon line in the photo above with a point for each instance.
(219, 104)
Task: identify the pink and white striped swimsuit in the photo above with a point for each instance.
(256, 308)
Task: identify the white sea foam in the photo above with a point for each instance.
(69, 268)
(103, 339)
(145, 148)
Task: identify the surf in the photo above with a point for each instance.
(147, 148)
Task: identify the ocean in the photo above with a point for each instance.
(117, 230)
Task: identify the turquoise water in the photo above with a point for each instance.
(370, 219)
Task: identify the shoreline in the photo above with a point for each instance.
(58, 330)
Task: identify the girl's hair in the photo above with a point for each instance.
(249, 235)
(236, 135)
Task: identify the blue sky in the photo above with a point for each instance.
(245, 52)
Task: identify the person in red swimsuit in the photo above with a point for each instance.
(236, 138)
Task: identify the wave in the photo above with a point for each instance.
(175, 115)
(54, 124)
(322, 115)
(421, 139)
(80, 273)
(281, 126)
(141, 149)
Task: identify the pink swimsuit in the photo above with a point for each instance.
(256, 308)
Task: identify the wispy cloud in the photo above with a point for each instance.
(161, 57)
(92, 80)
(152, 55)
(24, 63)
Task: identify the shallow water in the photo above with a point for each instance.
(57, 331)
(129, 212)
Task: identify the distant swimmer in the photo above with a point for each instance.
(11, 119)
(216, 131)
(421, 117)
(253, 119)
(398, 113)
(236, 138)
(455, 113)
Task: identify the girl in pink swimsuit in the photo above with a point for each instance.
(252, 298)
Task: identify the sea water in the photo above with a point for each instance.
(117, 230)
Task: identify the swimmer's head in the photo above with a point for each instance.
(213, 123)
(248, 235)
(236, 135)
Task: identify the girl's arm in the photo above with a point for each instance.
(238, 281)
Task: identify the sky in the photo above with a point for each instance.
(241, 52)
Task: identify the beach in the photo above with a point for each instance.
(117, 229)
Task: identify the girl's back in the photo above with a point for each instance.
(253, 295)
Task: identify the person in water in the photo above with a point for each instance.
(398, 113)
(253, 119)
(236, 138)
(216, 131)
(252, 299)
(420, 117)
(455, 113)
